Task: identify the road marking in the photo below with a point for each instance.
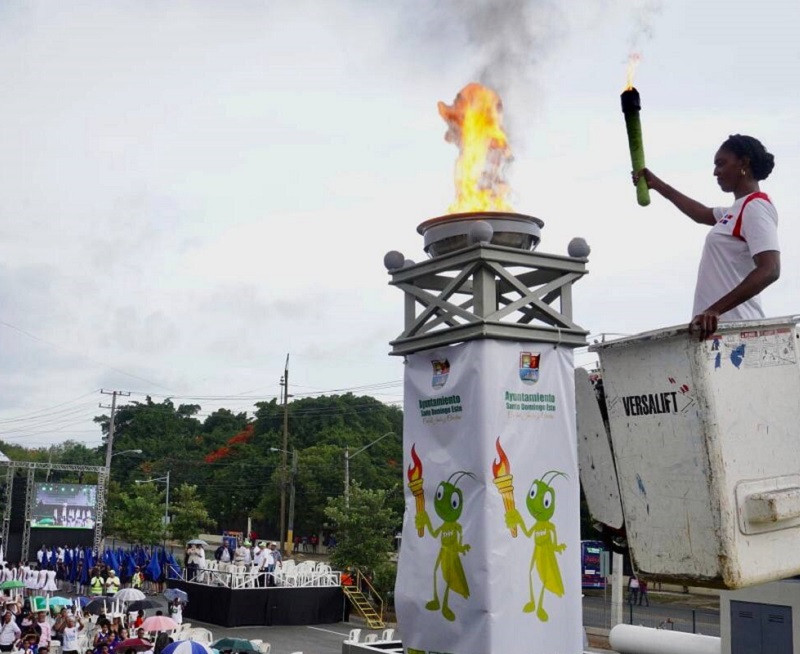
(338, 633)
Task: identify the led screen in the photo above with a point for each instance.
(64, 506)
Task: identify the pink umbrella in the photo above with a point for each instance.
(159, 623)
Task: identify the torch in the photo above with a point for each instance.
(631, 106)
(415, 483)
(504, 481)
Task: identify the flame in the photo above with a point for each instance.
(474, 123)
(501, 467)
(634, 58)
(415, 471)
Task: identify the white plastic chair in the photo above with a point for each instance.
(353, 636)
(388, 634)
(371, 638)
(200, 635)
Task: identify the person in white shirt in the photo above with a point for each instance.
(69, 637)
(242, 555)
(258, 557)
(268, 566)
(176, 610)
(741, 256)
(9, 632)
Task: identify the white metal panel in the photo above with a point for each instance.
(598, 473)
(753, 379)
(705, 442)
(664, 473)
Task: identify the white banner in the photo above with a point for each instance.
(490, 556)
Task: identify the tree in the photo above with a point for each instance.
(189, 514)
(136, 515)
(364, 530)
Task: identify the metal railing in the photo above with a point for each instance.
(600, 613)
(362, 582)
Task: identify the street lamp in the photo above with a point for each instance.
(166, 500)
(290, 530)
(347, 457)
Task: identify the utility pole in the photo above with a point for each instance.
(113, 407)
(104, 487)
(285, 383)
(290, 532)
(347, 477)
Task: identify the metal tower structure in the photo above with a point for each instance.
(32, 467)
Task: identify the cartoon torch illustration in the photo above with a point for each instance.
(504, 480)
(415, 482)
(631, 106)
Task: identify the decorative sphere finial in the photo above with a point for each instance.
(393, 260)
(578, 248)
(481, 232)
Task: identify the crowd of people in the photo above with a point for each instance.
(263, 556)
(82, 571)
(26, 631)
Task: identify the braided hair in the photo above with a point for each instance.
(761, 161)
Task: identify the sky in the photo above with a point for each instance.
(192, 190)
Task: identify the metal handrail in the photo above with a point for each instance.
(373, 593)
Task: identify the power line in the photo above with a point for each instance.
(79, 354)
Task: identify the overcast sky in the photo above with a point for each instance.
(191, 190)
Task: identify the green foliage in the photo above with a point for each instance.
(364, 530)
(227, 457)
(137, 513)
(384, 579)
(189, 514)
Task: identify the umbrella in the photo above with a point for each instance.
(12, 583)
(83, 601)
(186, 647)
(60, 601)
(196, 541)
(134, 643)
(97, 606)
(173, 593)
(159, 623)
(143, 605)
(236, 645)
(129, 595)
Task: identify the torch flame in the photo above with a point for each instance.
(634, 58)
(474, 123)
(415, 471)
(501, 467)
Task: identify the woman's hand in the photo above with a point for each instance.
(704, 324)
(652, 180)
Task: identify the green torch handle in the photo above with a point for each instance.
(636, 146)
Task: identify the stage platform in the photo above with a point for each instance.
(278, 605)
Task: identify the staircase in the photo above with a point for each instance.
(362, 604)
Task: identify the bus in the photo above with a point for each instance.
(591, 554)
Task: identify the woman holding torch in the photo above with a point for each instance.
(741, 256)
